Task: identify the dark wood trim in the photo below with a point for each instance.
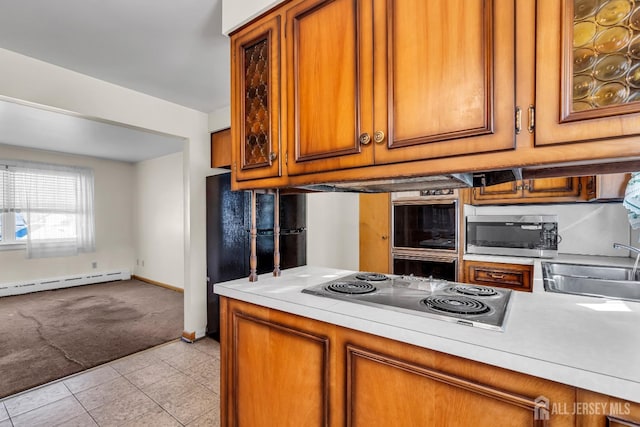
(253, 257)
(276, 234)
(156, 283)
(582, 169)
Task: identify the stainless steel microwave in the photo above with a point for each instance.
(517, 235)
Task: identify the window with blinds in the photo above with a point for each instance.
(48, 207)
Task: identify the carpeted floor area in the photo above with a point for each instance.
(52, 334)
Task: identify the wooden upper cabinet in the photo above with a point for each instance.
(444, 78)
(387, 81)
(329, 85)
(587, 71)
(255, 88)
(544, 190)
(221, 149)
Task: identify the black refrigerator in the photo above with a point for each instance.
(228, 236)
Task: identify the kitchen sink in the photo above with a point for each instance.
(592, 280)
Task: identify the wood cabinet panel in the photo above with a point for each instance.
(599, 410)
(255, 88)
(221, 149)
(495, 193)
(445, 63)
(375, 232)
(513, 276)
(543, 190)
(325, 87)
(425, 397)
(553, 187)
(279, 373)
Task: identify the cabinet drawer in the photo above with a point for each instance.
(514, 276)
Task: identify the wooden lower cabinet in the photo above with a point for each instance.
(389, 390)
(598, 410)
(275, 368)
(513, 276)
(280, 369)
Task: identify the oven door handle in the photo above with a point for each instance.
(449, 260)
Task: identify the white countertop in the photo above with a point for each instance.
(586, 342)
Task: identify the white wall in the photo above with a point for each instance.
(332, 230)
(220, 119)
(113, 184)
(31, 80)
(585, 228)
(159, 219)
(235, 13)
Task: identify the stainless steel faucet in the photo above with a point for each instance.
(632, 249)
(627, 247)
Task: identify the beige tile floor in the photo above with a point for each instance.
(175, 384)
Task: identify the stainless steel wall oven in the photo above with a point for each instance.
(425, 236)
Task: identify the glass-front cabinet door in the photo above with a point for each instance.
(587, 70)
(255, 130)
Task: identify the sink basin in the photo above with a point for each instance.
(592, 280)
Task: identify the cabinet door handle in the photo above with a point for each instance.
(365, 138)
(384, 237)
(532, 118)
(378, 137)
(518, 120)
(273, 155)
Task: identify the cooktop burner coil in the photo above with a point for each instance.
(455, 304)
(373, 277)
(351, 287)
(475, 291)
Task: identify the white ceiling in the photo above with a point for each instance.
(45, 129)
(170, 49)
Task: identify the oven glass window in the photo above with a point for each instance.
(425, 268)
(429, 226)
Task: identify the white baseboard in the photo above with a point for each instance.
(28, 286)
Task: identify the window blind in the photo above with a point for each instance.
(50, 206)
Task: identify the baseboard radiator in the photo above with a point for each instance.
(28, 286)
